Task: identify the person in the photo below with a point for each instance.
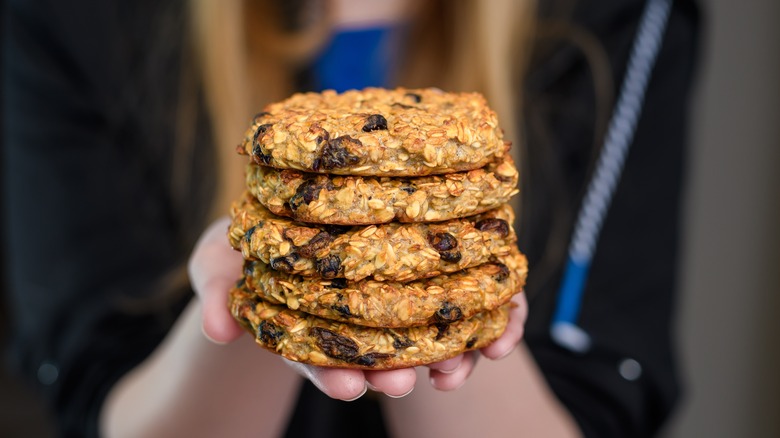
(116, 128)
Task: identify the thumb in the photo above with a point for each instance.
(214, 267)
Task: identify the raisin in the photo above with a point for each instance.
(414, 96)
(322, 138)
(269, 333)
(446, 245)
(335, 154)
(336, 230)
(249, 267)
(503, 272)
(261, 130)
(369, 359)
(335, 345)
(322, 135)
(401, 105)
(248, 234)
(338, 283)
(448, 313)
(442, 328)
(492, 225)
(375, 122)
(399, 343)
(307, 192)
(240, 283)
(285, 263)
(260, 115)
(443, 241)
(343, 309)
(450, 256)
(261, 157)
(328, 267)
(471, 342)
(316, 243)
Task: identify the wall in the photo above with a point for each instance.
(728, 322)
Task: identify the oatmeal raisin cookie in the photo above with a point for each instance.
(393, 251)
(309, 339)
(356, 200)
(444, 298)
(379, 132)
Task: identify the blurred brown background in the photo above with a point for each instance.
(728, 320)
(731, 282)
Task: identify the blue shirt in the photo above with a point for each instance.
(359, 58)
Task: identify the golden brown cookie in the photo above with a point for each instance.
(376, 132)
(393, 251)
(356, 200)
(305, 338)
(444, 298)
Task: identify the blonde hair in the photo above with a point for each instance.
(247, 61)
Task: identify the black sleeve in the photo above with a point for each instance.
(627, 384)
(88, 228)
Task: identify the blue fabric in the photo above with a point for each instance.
(356, 59)
(571, 291)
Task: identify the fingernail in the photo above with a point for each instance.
(507, 353)
(365, 388)
(206, 335)
(402, 395)
(450, 371)
(433, 384)
(371, 387)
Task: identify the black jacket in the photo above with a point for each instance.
(92, 227)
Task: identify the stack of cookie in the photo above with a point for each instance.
(376, 229)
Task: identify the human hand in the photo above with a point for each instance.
(451, 374)
(214, 268)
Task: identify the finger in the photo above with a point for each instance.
(338, 383)
(447, 366)
(214, 268)
(513, 333)
(455, 379)
(219, 326)
(394, 383)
